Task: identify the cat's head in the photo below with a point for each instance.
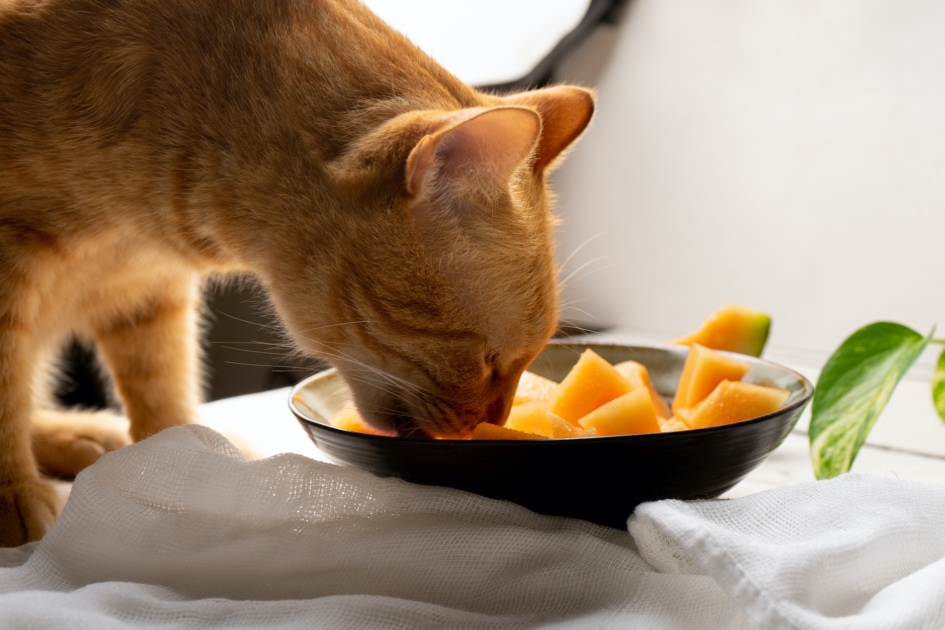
(436, 284)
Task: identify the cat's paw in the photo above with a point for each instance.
(27, 509)
(66, 442)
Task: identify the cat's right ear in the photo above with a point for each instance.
(483, 149)
(565, 113)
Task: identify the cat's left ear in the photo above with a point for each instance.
(565, 113)
(474, 147)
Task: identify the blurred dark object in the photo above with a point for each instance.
(607, 11)
(245, 349)
(81, 383)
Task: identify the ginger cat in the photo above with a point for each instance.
(399, 219)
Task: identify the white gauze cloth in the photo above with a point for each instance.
(180, 530)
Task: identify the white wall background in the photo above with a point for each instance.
(785, 154)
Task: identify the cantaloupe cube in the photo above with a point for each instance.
(638, 376)
(630, 413)
(703, 370)
(534, 388)
(733, 401)
(529, 417)
(561, 428)
(668, 425)
(488, 431)
(348, 419)
(590, 383)
(533, 418)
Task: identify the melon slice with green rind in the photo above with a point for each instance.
(733, 328)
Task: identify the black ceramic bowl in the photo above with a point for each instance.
(599, 479)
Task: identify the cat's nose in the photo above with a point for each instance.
(503, 394)
(498, 409)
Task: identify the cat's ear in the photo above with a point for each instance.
(565, 113)
(484, 147)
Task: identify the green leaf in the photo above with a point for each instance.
(938, 386)
(853, 389)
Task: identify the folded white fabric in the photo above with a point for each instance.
(858, 552)
(181, 530)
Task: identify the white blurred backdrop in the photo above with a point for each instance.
(788, 155)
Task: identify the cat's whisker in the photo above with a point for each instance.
(570, 304)
(580, 329)
(394, 411)
(266, 352)
(571, 276)
(396, 388)
(565, 319)
(263, 365)
(273, 328)
(249, 342)
(443, 417)
(394, 379)
(410, 399)
(578, 249)
(387, 383)
(378, 384)
(303, 331)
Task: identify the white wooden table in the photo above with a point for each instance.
(907, 442)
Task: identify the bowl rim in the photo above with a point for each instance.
(807, 392)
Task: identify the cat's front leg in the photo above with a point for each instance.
(28, 504)
(152, 354)
(67, 442)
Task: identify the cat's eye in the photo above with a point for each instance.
(491, 364)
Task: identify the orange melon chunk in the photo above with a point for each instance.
(533, 418)
(733, 401)
(638, 376)
(734, 328)
(630, 413)
(487, 431)
(348, 419)
(668, 425)
(534, 388)
(703, 370)
(590, 383)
